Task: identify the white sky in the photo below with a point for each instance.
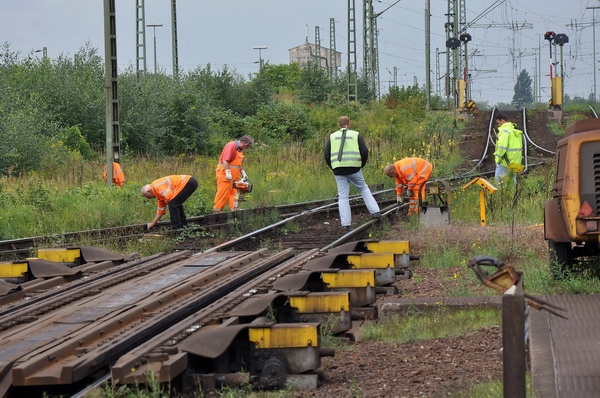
(224, 32)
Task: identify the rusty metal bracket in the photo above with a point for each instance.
(504, 277)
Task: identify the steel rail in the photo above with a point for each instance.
(83, 287)
(167, 340)
(17, 248)
(159, 347)
(384, 212)
(144, 353)
(236, 241)
(93, 346)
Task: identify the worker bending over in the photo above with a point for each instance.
(229, 170)
(171, 190)
(411, 174)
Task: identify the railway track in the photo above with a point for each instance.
(538, 148)
(214, 224)
(183, 316)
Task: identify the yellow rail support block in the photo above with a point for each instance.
(287, 335)
(12, 269)
(319, 302)
(59, 255)
(371, 260)
(349, 278)
(389, 246)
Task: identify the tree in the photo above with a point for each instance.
(523, 93)
(283, 78)
(314, 84)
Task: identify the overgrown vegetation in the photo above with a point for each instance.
(53, 128)
(434, 324)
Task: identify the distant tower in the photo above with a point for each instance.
(174, 36)
(140, 39)
(351, 51)
(332, 52)
(318, 45)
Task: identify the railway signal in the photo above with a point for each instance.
(556, 80)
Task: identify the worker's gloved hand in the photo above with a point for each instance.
(228, 174)
(244, 175)
(399, 199)
(146, 228)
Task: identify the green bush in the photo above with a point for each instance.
(72, 139)
(278, 123)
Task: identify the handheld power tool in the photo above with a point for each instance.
(242, 186)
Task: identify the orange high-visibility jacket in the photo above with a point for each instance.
(167, 188)
(118, 176)
(412, 173)
(225, 191)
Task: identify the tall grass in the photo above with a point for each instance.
(439, 323)
(76, 198)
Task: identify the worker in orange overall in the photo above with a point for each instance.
(171, 190)
(229, 170)
(411, 174)
(118, 176)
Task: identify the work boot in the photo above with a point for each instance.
(376, 215)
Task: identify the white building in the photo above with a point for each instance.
(308, 51)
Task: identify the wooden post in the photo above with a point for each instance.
(513, 341)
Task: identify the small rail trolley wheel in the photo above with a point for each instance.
(273, 374)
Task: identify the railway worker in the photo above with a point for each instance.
(171, 190)
(118, 176)
(229, 170)
(411, 174)
(346, 154)
(509, 148)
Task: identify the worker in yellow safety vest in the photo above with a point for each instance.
(509, 148)
(346, 154)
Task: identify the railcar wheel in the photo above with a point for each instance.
(561, 258)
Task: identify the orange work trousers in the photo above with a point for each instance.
(413, 203)
(225, 190)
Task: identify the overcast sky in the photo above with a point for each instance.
(506, 36)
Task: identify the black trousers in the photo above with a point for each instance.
(176, 212)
